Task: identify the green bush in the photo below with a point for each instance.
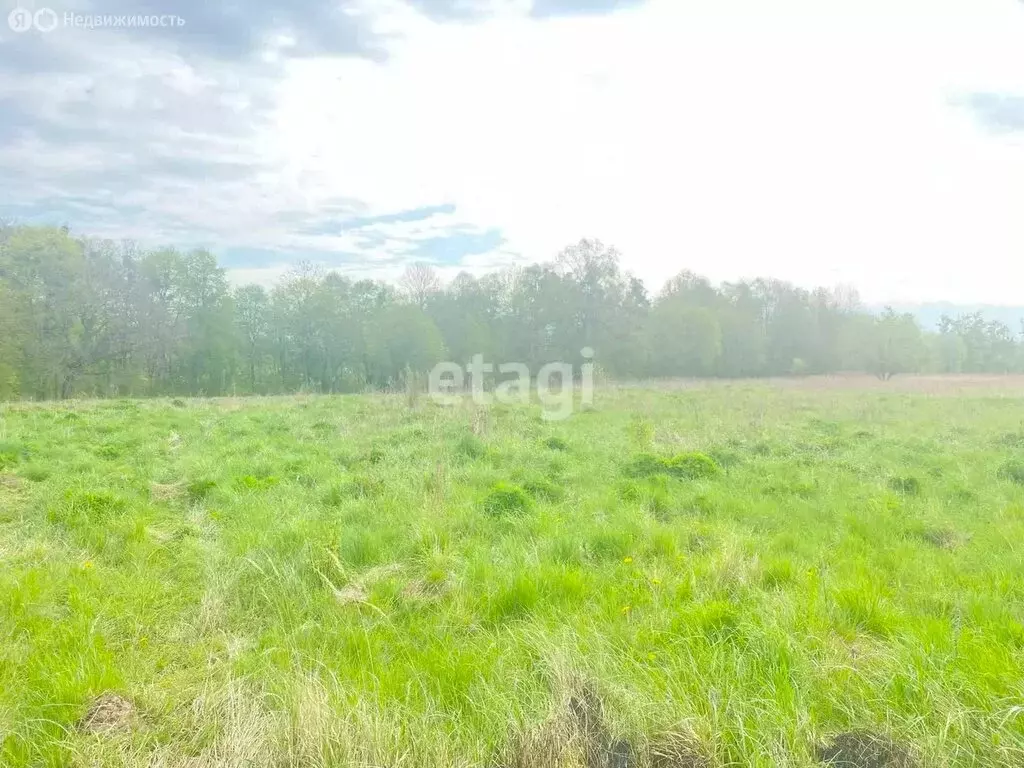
(556, 444)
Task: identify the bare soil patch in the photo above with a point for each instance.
(109, 712)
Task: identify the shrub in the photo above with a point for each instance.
(506, 499)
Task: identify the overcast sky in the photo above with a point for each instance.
(872, 142)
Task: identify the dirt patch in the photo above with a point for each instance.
(109, 712)
(859, 749)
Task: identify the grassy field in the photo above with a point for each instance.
(736, 574)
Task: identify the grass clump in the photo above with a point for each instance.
(556, 444)
(544, 490)
(514, 600)
(255, 482)
(197, 490)
(86, 507)
(36, 473)
(1012, 471)
(11, 453)
(905, 486)
(690, 466)
(646, 465)
(471, 447)
(693, 466)
(507, 500)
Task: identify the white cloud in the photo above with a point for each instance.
(810, 141)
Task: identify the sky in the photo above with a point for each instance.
(873, 143)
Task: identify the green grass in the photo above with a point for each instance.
(736, 574)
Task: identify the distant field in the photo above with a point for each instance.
(756, 574)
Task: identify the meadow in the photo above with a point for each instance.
(731, 574)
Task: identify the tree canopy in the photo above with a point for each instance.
(87, 317)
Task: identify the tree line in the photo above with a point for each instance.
(84, 317)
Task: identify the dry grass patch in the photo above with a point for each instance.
(166, 492)
(860, 749)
